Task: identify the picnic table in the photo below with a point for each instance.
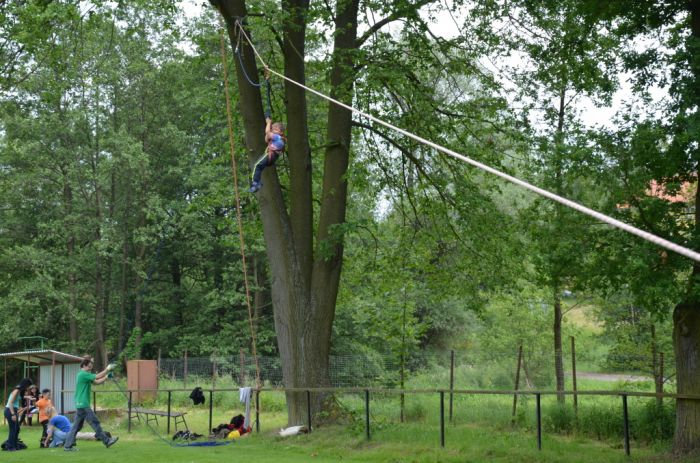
(152, 415)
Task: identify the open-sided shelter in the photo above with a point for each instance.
(57, 371)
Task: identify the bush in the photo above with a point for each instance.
(558, 418)
(600, 420)
(655, 422)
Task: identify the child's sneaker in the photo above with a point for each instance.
(254, 187)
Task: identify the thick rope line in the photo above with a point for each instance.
(657, 240)
(234, 171)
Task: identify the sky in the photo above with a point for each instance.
(447, 25)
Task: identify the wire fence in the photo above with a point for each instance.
(454, 368)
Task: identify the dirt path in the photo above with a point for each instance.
(612, 377)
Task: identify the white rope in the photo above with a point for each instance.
(567, 202)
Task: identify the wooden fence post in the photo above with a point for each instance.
(185, 371)
(452, 380)
(517, 382)
(242, 360)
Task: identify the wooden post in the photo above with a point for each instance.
(659, 380)
(517, 382)
(402, 397)
(241, 356)
(5, 391)
(53, 372)
(573, 373)
(213, 375)
(185, 371)
(158, 364)
(452, 380)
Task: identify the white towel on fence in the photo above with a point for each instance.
(244, 395)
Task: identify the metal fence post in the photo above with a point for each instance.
(625, 419)
(257, 411)
(170, 398)
(308, 409)
(367, 413)
(442, 419)
(211, 405)
(129, 428)
(539, 422)
(573, 373)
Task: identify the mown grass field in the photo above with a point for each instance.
(481, 432)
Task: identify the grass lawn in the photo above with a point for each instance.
(394, 443)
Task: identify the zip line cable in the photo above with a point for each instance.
(650, 237)
(234, 171)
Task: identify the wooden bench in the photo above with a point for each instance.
(152, 415)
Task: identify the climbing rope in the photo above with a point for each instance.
(237, 51)
(650, 237)
(234, 172)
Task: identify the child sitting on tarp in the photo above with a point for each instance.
(228, 431)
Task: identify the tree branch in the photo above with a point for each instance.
(391, 18)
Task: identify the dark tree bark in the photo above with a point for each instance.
(686, 315)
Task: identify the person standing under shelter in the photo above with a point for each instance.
(83, 390)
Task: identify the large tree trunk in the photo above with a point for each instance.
(686, 344)
(686, 316)
(304, 285)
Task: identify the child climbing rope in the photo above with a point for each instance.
(274, 137)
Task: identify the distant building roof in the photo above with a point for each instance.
(42, 356)
(659, 190)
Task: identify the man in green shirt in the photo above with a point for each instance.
(83, 391)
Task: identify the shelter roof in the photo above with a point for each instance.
(42, 356)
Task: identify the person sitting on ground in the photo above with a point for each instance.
(224, 430)
(274, 137)
(57, 429)
(44, 405)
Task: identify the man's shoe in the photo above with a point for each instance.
(70, 449)
(111, 442)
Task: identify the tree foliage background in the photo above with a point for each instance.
(117, 214)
